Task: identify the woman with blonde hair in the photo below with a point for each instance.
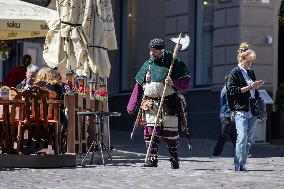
(47, 78)
(242, 92)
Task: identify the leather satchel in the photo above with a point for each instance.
(257, 107)
(261, 108)
(146, 104)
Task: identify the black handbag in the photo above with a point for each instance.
(261, 108)
(257, 107)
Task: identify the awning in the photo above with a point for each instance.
(19, 19)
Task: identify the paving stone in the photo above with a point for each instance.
(197, 170)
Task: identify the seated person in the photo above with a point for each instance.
(32, 70)
(59, 85)
(45, 78)
(18, 73)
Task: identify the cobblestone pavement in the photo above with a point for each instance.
(198, 170)
(194, 173)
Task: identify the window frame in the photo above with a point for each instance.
(199, 13)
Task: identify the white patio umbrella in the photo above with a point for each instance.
(65, 41)
(20, 19)
(100, 31)
(99, 28)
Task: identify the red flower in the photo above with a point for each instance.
(96, 92)
(86, 90)
(104, 93)
(81, 89)
(101, 95)
(74, 87)
(66, 87)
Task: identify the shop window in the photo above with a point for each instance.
(204, 36)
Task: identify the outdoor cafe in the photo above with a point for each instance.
(34, 124)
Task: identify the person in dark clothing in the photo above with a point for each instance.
(242, 92)
(32, 70)
(228, 126)
(18, 74)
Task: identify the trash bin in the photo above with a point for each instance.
(260, 130)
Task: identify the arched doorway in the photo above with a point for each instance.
(281, 44)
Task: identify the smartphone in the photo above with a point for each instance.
(262, 82)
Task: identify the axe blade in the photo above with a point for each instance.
(184, 41)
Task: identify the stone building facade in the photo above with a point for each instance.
(216, 28)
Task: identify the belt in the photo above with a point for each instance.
(70, 24)
(95, 46)
(156, 99)
(159, 98)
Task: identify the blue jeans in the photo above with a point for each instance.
(245, 130)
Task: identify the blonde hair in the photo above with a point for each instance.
(46, 74)
(245, 53)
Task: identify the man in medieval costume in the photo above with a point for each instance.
(150, 82)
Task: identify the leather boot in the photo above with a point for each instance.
(151, 162)
(173, 151)
(153, 158)
(174, 163)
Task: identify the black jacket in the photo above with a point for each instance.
(57, 88)
(239, 101)
(22, 84)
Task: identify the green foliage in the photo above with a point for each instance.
(4, 51)
(281, 15)
(279, 101)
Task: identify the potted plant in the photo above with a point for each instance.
(4, 51)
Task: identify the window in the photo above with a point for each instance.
(204, 36)
(129, 45)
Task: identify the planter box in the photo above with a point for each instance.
(80, 131)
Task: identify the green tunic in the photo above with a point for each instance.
(159, 69)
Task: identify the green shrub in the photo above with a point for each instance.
(279, 101)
